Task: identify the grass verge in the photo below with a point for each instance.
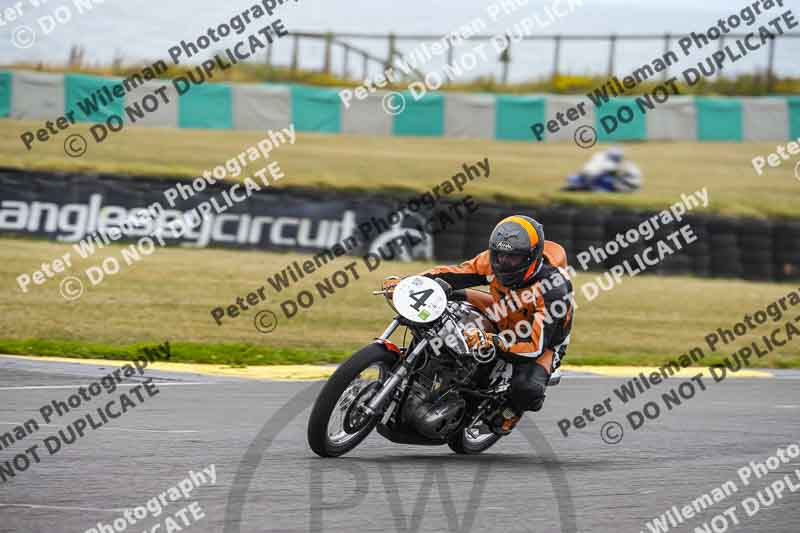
(181, 352)
(521, 172)
(168, 296)
(244, 355)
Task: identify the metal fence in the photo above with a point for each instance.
(342, 41)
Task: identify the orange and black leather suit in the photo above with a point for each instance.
(545, 304)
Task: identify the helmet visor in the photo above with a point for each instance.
(506, 262)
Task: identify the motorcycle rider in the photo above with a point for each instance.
(607, 171)
(530, 301)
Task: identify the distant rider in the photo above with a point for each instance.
(607, 171)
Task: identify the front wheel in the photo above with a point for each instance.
(338, 423)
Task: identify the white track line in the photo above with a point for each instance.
(60, 508)
(115, 429)
(154, 430)
(158, 383)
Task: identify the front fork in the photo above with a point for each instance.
(377, 402)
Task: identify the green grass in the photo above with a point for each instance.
(521, 172)
(244, 355)
(168, 297)
(183, 352)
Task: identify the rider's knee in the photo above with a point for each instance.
(527, 397)
(528, 388)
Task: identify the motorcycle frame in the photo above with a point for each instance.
(376, 405)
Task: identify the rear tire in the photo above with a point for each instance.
(339, 383)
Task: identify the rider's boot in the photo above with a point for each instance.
(505, 421)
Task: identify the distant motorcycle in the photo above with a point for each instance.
(436, 391)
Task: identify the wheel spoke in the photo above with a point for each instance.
(345, 407)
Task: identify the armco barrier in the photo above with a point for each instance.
(54, 205)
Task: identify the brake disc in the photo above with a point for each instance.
(355, 418)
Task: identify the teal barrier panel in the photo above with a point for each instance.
(719, 119)
(88, 98)
(318, 110)
(207, 106)
(5, 94)
(422, 118)
(620, 119)
(515, 114)
(794, 117)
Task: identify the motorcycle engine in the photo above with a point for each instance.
(431, 413)
(434, 407)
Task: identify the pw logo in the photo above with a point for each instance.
(537, 468)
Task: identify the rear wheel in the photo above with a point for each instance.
(338, 422)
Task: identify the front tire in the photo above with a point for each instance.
(352, 383)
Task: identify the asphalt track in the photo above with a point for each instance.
(268, 480)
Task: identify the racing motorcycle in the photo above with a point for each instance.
(435, 391)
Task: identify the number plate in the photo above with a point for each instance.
(419, 299)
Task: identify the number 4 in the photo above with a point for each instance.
(420, 297)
